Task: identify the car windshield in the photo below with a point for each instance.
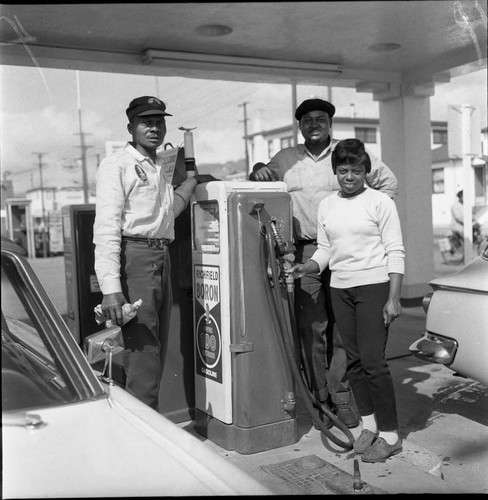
(31, 374)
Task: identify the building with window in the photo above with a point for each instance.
(53, 199)
(447, 180)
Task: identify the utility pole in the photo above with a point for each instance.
(43, 233)
(84, 168)
(245, 134)
(83, 146)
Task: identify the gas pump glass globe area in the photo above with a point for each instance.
(55, 409)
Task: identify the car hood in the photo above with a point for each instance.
(113, 447)
(473, 277)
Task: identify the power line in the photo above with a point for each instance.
(219, 106)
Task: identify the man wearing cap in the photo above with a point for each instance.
(307, 171)
(136, 208)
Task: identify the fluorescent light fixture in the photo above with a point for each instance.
(385, 47)
(213, 30)
(236, 63)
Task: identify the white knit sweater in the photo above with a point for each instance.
(359, 238)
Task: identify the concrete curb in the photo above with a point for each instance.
(422, 458)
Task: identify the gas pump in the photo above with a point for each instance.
(244, 394)
(246, 366)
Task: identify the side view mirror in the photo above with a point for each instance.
(103, 345)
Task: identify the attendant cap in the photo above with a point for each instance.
(146, 105)
(314, 105)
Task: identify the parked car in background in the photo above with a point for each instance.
(457, 321)
(66, 433)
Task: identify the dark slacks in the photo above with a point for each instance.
(322, 347)
(359, 315)
(146, 275)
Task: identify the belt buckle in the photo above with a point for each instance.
(157, 242)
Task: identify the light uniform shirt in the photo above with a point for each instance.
(133, 198)
(360, 239)
(309, 180)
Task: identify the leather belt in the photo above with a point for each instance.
(150, 242)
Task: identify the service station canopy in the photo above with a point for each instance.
(370, 45)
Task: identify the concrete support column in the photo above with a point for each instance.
(405, 145)
(294, 106)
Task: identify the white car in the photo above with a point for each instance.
(66, 433)
(457, 321)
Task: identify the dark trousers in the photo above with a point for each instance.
(323, 351)
(359, 315)
(146, 275)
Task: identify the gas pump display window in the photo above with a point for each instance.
(206, 231)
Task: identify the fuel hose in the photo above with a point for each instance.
(281, 314)
(277, 326)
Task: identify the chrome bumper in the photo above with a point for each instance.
(435, 348)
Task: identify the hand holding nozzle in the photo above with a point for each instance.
(300, 270)
(288, 261)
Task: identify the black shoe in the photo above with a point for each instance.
(364, 441)
(380, 450)
(347, 415)
(323, 418)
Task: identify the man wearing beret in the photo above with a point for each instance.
(307, 171)
(136, 207)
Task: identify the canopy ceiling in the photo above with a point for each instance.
(365, 44)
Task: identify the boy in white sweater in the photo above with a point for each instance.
(359, 237)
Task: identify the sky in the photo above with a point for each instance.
(40, 114)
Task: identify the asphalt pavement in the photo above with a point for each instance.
(443, 421)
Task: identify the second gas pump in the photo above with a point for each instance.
(244, 389)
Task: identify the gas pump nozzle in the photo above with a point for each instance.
(289, 279)
(285, 251)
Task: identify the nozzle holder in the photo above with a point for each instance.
(255, 205)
